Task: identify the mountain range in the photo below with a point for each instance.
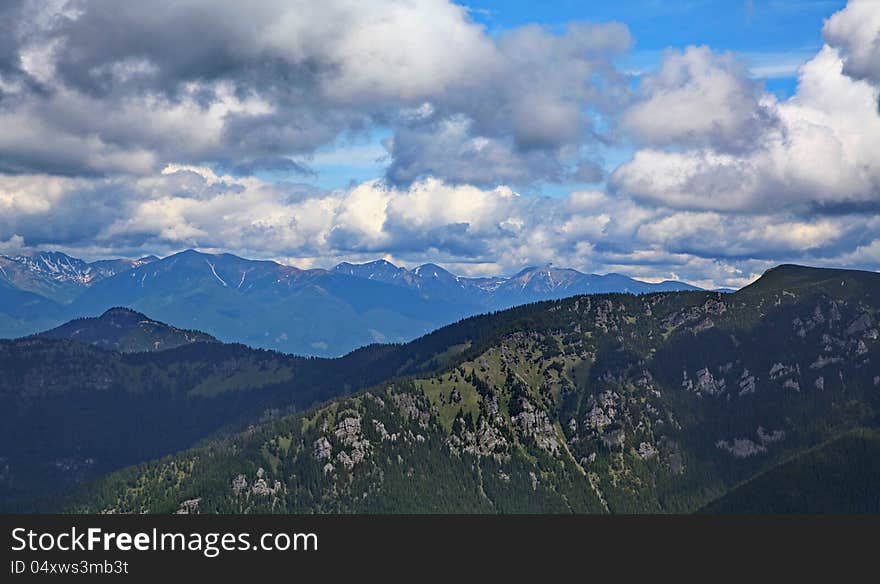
(58, 276)
(688, 401)
(269, 305)
(529, 285)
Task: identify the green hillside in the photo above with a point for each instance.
(606, 403)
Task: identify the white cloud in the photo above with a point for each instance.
(700, 98)
(478, 230)
(856, 31)
(824, 152)
(15, 244)
(270, 82)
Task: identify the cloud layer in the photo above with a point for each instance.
(128, 88)
(122, 135)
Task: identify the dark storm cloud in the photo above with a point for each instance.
(75, 219)
(175, 42)
(269, 140)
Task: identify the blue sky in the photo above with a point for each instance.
(758, 25)
(698, 140)
(773, 35)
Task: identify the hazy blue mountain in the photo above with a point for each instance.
(378, 270)
(430, 280)
(532, 284)
(321, 312)
(23, 312)
(126, 331)
(265, 304)
(269, 305)
(550, 283)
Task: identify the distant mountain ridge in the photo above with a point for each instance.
(23, 312)
(528, 285)
(61, 277)
(270, 305)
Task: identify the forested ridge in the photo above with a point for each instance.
(605, 403)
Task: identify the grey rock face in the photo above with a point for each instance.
(322, 448)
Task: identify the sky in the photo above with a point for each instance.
(698, 140)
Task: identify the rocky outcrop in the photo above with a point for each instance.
(534, 423)
(322, 448)
(189, 507)
(745, 447)
(647, 451)
(485, 441)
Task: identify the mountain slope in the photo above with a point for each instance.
(840, 476)
(618, 403)
(126, 331)
(70, 411)
(22, 312)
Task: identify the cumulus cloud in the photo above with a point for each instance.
(766, 236)
(855, 30)
(347, 51)
(124, 88)
(14, 245)
(452, 149)
(822, 154)
(700, 98)
(523, 117)
(474, 230)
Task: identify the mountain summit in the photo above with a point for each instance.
(126, 331)
(58, 276)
